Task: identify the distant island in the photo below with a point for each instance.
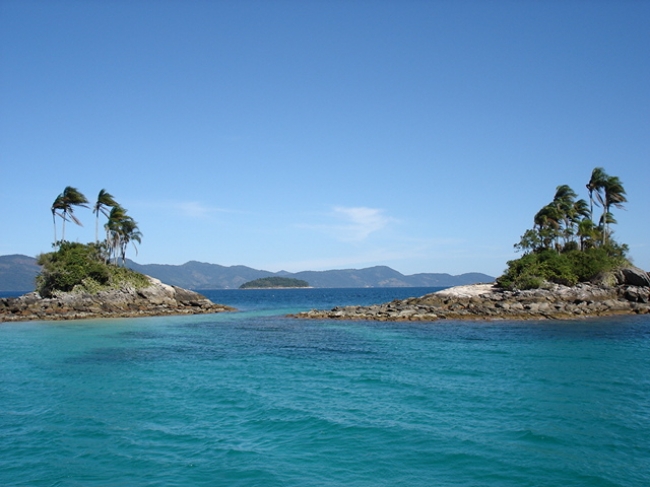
(274, 282)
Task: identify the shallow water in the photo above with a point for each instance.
(254, 398)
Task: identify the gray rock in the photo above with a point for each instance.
(556, 302)
(157, 299)
(633, 276)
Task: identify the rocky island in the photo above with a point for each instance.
(571, 268)
(629, 295)
(81, 281)
(156, 299)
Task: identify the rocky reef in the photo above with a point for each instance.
(155, 300)
(626, 291)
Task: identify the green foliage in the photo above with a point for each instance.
(567, 268)
(267, 282)
(594, 261)
(76, 267)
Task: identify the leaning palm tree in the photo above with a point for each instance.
(57, 209)
(565, 204)
(596, 184)
(614, 195)
(130, 233)
(548, 222)
(105, 200)
(113, 231)
(64, 207)
(576, 213)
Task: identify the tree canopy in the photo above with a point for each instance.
(121, 229)
(94, 266)
(565, 245)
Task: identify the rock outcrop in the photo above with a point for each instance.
(154, 300)
(488, 302)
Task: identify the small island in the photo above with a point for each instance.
(571, 267)
(81, 281)
(275, 283)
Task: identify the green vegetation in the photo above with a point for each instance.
(269, 282)
(121, 229)
(565, 246)
(75, 267)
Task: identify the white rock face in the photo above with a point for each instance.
(467, 291)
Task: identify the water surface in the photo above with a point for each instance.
(256, 399)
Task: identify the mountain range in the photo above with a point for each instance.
(17, 273)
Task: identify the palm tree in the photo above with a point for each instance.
(606, 219)
(121, 230)
(117, 215)
(548, 225)
(564, 202)
(105, 200)
(614, 195)
(587, 233)
(596, 183)
(130, 233)
(57, 207)
(64, 204)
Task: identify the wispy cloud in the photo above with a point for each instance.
(195, 209)
(360, 222)
(187, 209)
(353, 224)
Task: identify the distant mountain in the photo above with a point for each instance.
(17, 273)
(198, 275)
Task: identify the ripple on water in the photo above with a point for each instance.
(266, 400)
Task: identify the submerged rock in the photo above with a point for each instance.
(155, 300)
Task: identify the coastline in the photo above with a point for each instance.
(158, 299)
(488, 302)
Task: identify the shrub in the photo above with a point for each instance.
(81, 268)
(568, 268)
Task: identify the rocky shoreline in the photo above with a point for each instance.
(156, 300)
(628, 294)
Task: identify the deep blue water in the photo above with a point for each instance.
(256, 399)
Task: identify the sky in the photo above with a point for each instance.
(315, 135)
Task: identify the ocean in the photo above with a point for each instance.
(254, 398)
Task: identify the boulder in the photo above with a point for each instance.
(633, 276)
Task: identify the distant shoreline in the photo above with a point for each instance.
(272, 288)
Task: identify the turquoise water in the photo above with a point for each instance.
(256, 399)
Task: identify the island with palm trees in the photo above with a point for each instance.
(571, 267)
(92, 280)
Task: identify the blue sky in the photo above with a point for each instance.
(291, 135)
